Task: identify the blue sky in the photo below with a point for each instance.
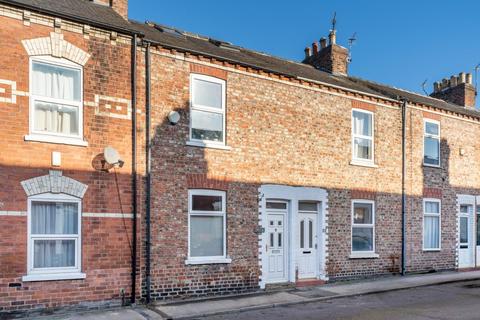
(400, 43)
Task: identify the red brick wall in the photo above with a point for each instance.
(106, 255)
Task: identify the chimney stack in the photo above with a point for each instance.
(120, 6)
(458, 90)
(331, 58)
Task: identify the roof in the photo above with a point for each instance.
(183, 41)
(83, 11)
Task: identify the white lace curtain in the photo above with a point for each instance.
(55, 83)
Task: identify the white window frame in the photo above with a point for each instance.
(53, 137)
(433, 136)
(204, 192)
(363, 254)
(439, 215)
(361, 161)
(200, 142)
(64, 273)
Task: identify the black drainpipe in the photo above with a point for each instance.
(134, 166)
(149, 166)
(404, 194)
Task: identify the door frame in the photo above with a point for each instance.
(293, 195)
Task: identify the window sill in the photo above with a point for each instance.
(432, 250)
(431, 166)
(208, 145)
(208, 261)
(56, 140)
(366, 255)
(54, 277)
(367, 164)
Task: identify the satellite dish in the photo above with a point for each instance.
(112, 156)
(173, 117)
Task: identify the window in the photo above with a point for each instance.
(207, 234)
(362, 136)
(478, 226)
(431, 144)
(54, 231)
(465, 214)
(431, 224)
(56, 99)
(207, 112)
(363, 226)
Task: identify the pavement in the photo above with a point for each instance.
(457, 301)
(245, 303)
(265, 302)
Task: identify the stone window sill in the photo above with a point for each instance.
(56, 140)
(208, 145)
(208, 261)
(366, 255)
(367, 164)
(54, 277)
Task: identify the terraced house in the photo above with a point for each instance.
(236, 170)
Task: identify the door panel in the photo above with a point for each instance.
(466, 227)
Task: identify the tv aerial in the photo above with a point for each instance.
(424, 84)
(351, 42)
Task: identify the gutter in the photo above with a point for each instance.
(134, 167)
(72, 17)
(148, 174)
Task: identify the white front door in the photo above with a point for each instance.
(275, 246)
(466, 227)
(477, 238)
(307, 245)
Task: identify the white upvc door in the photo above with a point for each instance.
(466, 244)
(307, 245)
(276, 241)
(477, 238)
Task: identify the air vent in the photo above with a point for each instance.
(223, 44)
(168, 30)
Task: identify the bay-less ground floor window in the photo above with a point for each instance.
(54, 237)
(431, 225)
(206, 227)
(363, 227)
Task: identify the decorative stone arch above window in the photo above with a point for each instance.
(55, 46)
(54, 182)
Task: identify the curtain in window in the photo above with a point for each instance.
(431, 232)
(58, 83)
(55, 82)
(54, 253)
(206, 236)
(54, 218)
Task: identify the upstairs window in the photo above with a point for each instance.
(56, 98)
(362, 136)
(207, 112)
(431, 144)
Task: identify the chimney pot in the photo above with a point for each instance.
(333, 37)
(469, 78)
(315, 48)
(436, 86)
(323, 42)
(453, 81)
(308, 52)
(462, 77)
